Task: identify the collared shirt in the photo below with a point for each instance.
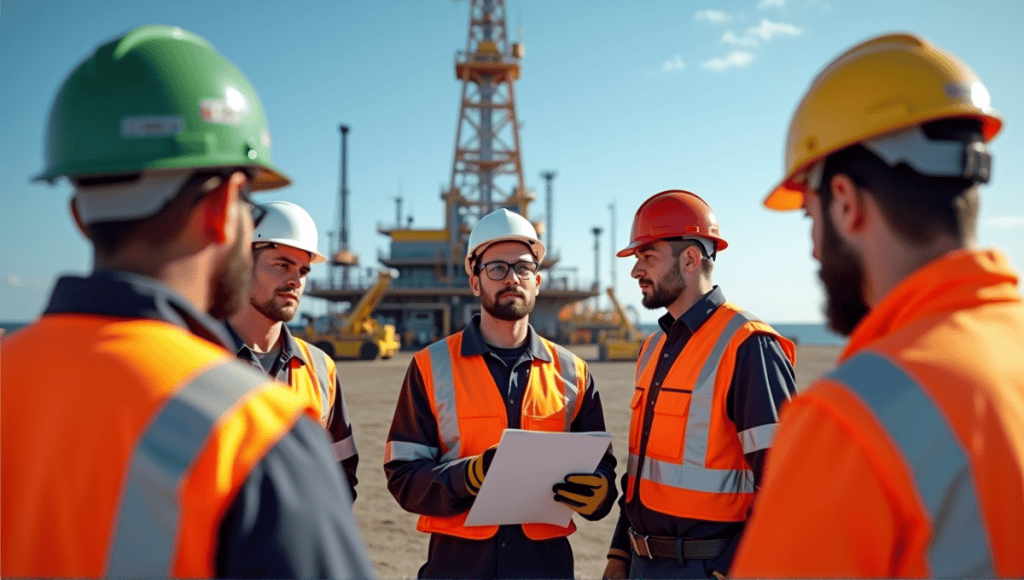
(339, 426)
(762, 381)
(427, 487)
(322, 539)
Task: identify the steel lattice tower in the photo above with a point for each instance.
(487, 170)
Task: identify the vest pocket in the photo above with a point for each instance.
(544, 414)
(668, 430)
(479, 432)
(635, 419)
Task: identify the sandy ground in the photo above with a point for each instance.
(396, 548)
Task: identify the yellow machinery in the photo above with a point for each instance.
(354, 334)
(624, 342)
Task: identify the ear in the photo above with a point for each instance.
(848, 206)
(689, 259)
(216, 207)
(78, 218)
(474, 284)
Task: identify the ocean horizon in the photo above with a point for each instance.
(800, 333)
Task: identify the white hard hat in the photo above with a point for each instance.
(289, 225)
(502, 226)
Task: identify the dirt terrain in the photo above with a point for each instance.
(396, 548)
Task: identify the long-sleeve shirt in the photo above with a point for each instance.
(763, 380)
(339, 426)
(292, 516)
(429, 487)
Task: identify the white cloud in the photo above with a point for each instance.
(713, 16)
(735, 59)
(673, 64)
(768, 30)
(734, 39)
(1005, 222)
(14, 280)
(763, 32)
(765, 4)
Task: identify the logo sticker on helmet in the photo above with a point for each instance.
(228, 110)
(151, 126)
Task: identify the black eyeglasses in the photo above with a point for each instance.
(498, 269)
(258, 211)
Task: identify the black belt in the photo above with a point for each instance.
(678, 548)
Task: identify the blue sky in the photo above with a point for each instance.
(622, 99)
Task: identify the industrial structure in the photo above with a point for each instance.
(431, 297)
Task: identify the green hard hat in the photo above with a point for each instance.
(157, 98)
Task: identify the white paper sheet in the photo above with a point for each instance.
(517, 489)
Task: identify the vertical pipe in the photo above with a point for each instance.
(611, 243)
(343, 232)
(549, 220)
(597, 265)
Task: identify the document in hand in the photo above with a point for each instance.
(517, 489)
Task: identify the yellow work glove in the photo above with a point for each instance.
(583, 492)
(477, 468)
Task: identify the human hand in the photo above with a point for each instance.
(583, 492)
(615, 569)
(477, 468)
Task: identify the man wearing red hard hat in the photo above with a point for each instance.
(709, 384)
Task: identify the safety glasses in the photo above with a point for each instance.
(498, 269)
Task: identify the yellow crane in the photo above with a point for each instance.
(624, 342)
(354, 334)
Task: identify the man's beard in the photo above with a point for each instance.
(231, 280)
(843, 277)
(511, 311)
(273, 310)
(665, 291)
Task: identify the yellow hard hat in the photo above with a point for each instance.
(885, 84)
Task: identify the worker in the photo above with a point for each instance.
(460, 394)
(284, 245)
(709, 385)
(907, 460)
(134, 444)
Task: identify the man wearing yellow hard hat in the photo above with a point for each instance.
(907, 460)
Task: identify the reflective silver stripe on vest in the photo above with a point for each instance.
(646, 354)
(692, 477)
(758, 438)
(570, 382)
(344, 449)
(447, 415)
(322, 376)
(406, 451)
(959, 546)
(692, 474)
(146, 525)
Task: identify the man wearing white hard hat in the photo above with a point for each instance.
(284, 246)
(461, 392)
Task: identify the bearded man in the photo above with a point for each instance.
(284, 246)
(460, 394)
(709, 385)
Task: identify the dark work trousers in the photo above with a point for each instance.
(509, 554)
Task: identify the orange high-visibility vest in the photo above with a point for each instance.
(471, 417)
(124, 443)
(694, 466)
(908, 459)
(314, 381)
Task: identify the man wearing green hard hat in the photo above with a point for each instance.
(134, 443)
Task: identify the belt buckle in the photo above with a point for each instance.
(640, 545)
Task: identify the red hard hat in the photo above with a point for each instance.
(673, 214)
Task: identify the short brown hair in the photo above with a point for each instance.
(919, 208)
(110, 237)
